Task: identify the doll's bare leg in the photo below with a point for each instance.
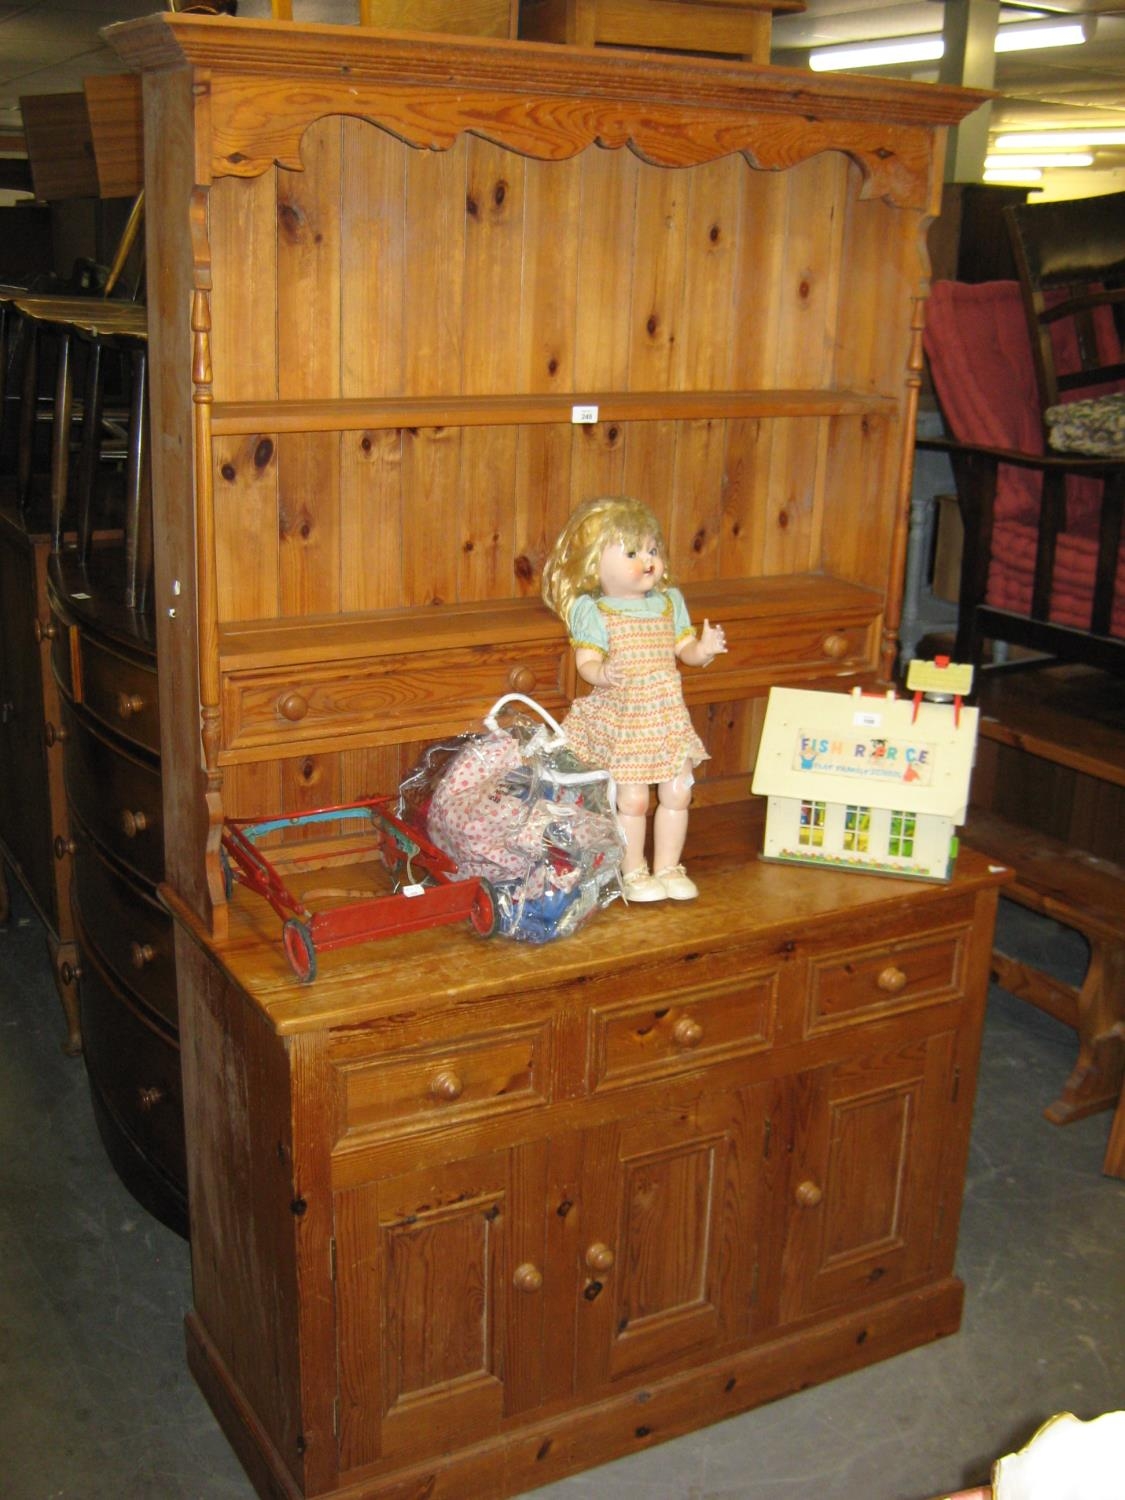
(669, 832)
(632, 815)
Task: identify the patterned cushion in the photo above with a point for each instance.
(1095, 427)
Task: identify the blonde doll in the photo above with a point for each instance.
(606, 578)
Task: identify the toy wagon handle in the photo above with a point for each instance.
(490, 723)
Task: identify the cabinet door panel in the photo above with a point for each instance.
(439, 1304)
(671, 1196)
(864, 1142)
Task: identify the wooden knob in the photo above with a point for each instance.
(891, 980)
(835, 646)
(687, 1032)
(293, 706)
(141, 954)
(600, 1257)
(129, 704)
(133, 823)
(43, 632)
(148, 1098)
(69, 972)
(527, 1278)
(447, 1085)
(55, 734)
(808, 1194)
(64, 846)
(521, 679)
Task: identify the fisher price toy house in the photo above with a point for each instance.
(873, 783)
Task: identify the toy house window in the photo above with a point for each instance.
(812, 823)
(902, 834)
(857, 827)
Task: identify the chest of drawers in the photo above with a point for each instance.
(104, 670)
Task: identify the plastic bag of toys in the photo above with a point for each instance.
(515, 806)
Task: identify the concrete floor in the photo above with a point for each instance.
(96, 1401)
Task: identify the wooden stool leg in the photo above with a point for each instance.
(60, 437)
(29, 406)
(1095, 1082)
(134, 477)
(1114, 1163)
(91, 448)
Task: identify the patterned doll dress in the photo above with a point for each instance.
(640, 730)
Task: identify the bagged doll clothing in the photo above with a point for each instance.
(640, 731)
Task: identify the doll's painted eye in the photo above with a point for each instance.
(631, 552)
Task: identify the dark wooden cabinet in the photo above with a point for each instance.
(104, 669)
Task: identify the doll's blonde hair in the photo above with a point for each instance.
(574, 564)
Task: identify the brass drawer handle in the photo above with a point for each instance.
(48, 632)
(808, 1194)
(528, 1277)
(447, 1085)
(55, 734)
(521, 679)
(600, 1257)
(293, 706)
(133, 823)
(835, 645)
(891, 980)
(150, 1097)
(64, 846)
(129, 704)
(141, 954)
(687, 1032)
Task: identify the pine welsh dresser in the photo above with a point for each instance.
(468, 1216)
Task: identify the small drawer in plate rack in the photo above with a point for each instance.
(285, 709)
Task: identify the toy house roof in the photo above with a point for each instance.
(867, 749)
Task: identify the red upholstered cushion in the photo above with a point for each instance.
(979, 353)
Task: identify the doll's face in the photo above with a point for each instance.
(631, 572)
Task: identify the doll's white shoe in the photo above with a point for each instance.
(639, 885)
(677, 885)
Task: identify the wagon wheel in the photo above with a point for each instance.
(299, 950)
(484, 914)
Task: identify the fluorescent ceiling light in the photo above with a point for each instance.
(1057, 140)
(877, 54)
(1040, 159)
(1012, 174)
(1019, 36)
(1029, 35)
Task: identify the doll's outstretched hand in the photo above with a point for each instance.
(712, 639)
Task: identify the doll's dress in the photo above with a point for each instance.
(640, 730)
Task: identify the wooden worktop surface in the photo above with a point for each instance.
(742, 899)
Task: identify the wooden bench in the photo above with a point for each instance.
(1086, 893)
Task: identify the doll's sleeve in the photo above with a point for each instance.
(682, 627)
(587, 627)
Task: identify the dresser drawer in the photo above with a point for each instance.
(380, 699)
(132, 933)
(134, 1069)
(709, 1009)
(121, 692)
(430, 1088)
(850, 986)
(117, 796)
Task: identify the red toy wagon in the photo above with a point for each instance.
(425, 893)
